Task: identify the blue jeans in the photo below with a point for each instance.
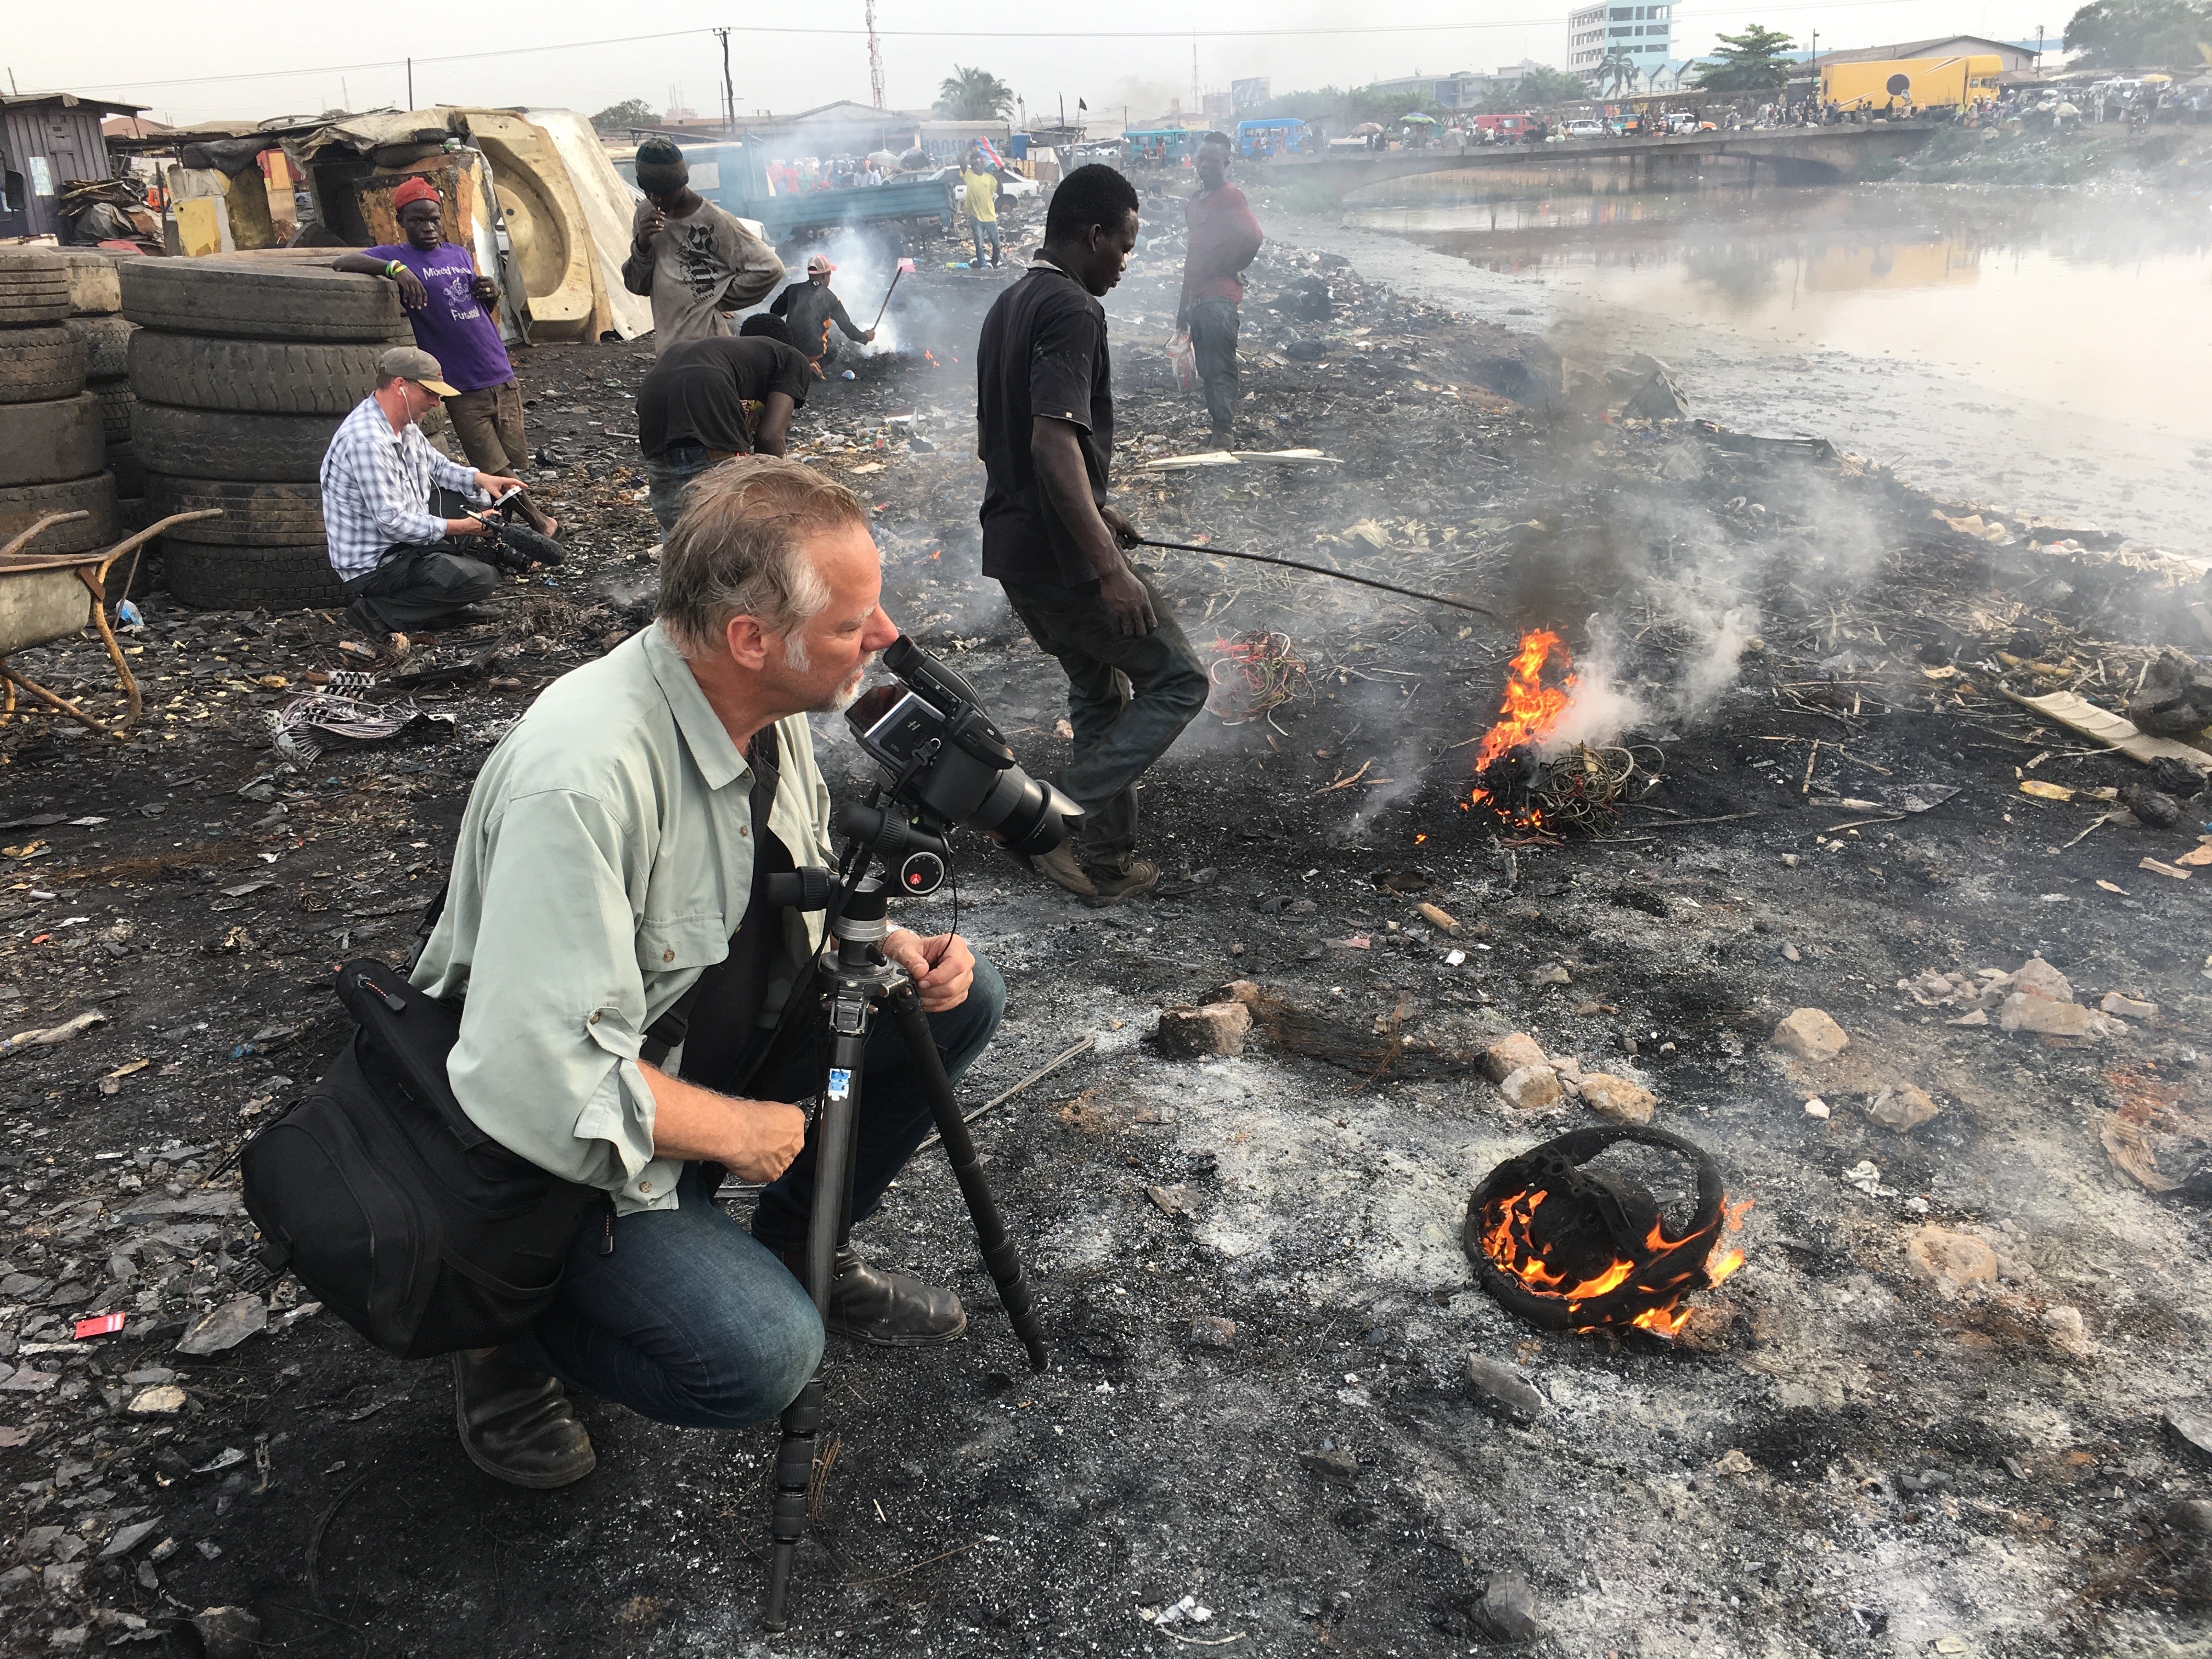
(691, 1319)
(982, 230)
(665, 476)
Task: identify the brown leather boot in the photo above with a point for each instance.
(516, 1423)
(891, 1311)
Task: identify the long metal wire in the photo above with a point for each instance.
(1322, 570)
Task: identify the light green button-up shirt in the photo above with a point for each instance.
(605, 858)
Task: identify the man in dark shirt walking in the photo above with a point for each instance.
(691, 410)
(1044, 410)
(1223, 237)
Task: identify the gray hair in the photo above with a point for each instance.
(739, 550)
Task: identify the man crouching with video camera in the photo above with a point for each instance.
(615, 851)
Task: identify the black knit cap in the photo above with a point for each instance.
(661, 169)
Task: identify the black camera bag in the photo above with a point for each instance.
(387, 1201)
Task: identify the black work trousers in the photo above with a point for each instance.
(1213, 343)
(417, 586)
(1129, 695)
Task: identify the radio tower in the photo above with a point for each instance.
(875, 59)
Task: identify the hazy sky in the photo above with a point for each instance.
(1134, 53)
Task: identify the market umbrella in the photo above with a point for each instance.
(2160, 79)
(1425, 120)
(1366, 129)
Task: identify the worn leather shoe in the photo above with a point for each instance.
(1059, 866)
(1112, 886)
(891, 1311)
(516, 1423)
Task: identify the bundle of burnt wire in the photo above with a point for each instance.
(1585, 787)
(1257, 673)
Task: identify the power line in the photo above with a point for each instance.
(1492, 24)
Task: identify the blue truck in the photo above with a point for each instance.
(735, 177)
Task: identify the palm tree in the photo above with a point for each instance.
(1617, 68)
(973, 94)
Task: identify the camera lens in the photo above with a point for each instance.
(1030, 817)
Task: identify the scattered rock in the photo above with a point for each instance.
(2126, 1006)
(1210, 1331)
(1810, 1033)
(2154, 808)
(225, 1327)
(1332, 1463)
(1510, 1054)
(129, 1539)
(1177, 1200)
(1902, 1106)
(166, 1401)
(1617, 1098)
(1550, 973)
(2064, 1327)
(1531, 1088)
(2190, 1433)
(1945, 1258)
(2038, 978)
(1507, 1612)
(228, 1634)
(1504, 1389)
(1218, 1028)
(2190, 1515)
(2021, 1011)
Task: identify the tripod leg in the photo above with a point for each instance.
(997, 1249)
(802, 1419)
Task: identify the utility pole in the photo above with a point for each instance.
(729, 92)
(2039, 46)
(411, 83)
(875, 59)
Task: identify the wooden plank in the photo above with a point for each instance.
(2077, 714)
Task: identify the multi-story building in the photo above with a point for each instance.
(1644, 33)
(1464, 89)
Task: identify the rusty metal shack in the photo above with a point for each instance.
(47, 140)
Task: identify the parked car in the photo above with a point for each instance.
(1585, 128)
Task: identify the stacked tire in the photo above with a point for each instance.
(53, 450)
(95, 303)
(243, 365)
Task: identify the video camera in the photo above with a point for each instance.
(515, 544)
(948, 764)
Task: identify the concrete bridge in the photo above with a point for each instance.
(1794, 155)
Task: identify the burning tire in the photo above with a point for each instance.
(1571, 1249)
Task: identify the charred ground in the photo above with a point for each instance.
(1842, 1455)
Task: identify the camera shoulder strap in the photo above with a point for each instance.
(668, 1032)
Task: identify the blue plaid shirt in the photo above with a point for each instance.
(376, 489)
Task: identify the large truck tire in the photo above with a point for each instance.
(278, 294)
(34, 286)
(265, 377)
(106, 346)
(129, 476)
(50, 442)
(116, 404)
(37, 365)
(205, 443)
(254, 514)
(249, 578)
(26, 504)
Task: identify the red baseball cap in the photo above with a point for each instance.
(416, 189)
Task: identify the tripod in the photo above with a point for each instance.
(856, 981)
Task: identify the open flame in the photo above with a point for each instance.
(1515, 1245)
(1530, 712)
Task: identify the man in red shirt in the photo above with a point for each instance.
(1222, 239)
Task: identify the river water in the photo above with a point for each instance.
(2039, 350)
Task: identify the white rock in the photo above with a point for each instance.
(1531, 1088)
(1810, 1033)
(1617, 1098)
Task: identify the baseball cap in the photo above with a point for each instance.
(818, 262)
(413, 363)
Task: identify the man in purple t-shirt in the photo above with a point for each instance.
(448, 304)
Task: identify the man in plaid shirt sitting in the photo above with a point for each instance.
(403, 565)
